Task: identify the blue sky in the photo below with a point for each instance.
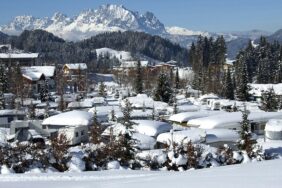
(205, 15)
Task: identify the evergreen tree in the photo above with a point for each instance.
(269, 101)
(242, 88)
(3, 79)
(3, 82)
(176, 80)
(112, 115)
(126, 110)
(2, 99)
(44, 91)
(163, 91)
(102, 89)
(245, 142)
(139, 79)
(31, 112)
(228, 88)
(95, 130)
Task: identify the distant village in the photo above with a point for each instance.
(150, 109)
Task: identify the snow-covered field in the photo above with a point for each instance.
(258, 175)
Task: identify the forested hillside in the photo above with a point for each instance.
(55, 50)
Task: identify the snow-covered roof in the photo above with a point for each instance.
(80, 104)
(221, 135)
(7, 112)
(274, 125)
(72, 118)
(171, 62)
(36, 72)
(33, 76)
(144, 141)
(117, 129)
(142, 99)
(96, 100)
(135, 114)
(151, 128)
(18, 55)
(186, 116)
(133, 64)
(184, 108)
(165, 64)
(48, 71)
(232, 119)
(195, 135)
(208, 96)
(76, 66)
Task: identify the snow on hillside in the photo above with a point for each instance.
(258, 175)
(120, 55)
(183, 31)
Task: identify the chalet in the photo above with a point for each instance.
(164, 67)
(9, 56)
(75, 75)
(34, 77)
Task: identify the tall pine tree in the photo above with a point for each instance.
(163, 91)
(228, 86)
(138, 85)
(242, 88)
(245, 141)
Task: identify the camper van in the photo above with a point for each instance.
(75, 135)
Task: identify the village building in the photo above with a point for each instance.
(9, 56)
(76, 76)
(35, 77)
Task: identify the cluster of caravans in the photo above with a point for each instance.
(262, 123)
(74, 124)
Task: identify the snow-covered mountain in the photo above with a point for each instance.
(185, 32)
(88, 23)
(109, 18)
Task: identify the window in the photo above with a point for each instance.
(82, 133)
(76, 134)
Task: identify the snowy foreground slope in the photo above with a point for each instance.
(262, 174)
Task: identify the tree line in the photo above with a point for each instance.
(54, 50)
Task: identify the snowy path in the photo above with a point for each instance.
(259, 175)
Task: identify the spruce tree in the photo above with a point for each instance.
(138, 85)
(269, 101)
(126, 110)
(102, 89)
(163, 91)
(242, 88)
(2, 87)
(228, 88)
(112, 115)
(44, 91)
(3, 79)
(31, 112)
(95, 130)
(245, 142)
(176, 80)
